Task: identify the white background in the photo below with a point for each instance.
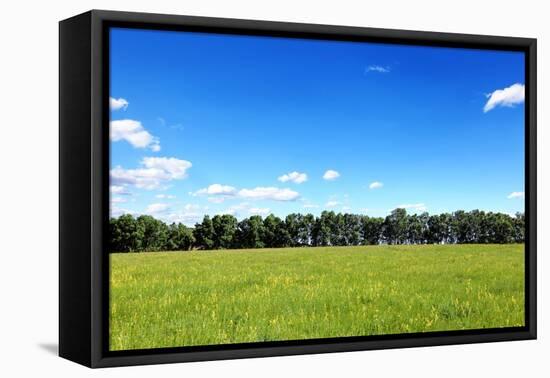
(29, 186)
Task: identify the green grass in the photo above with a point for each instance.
(216, 297)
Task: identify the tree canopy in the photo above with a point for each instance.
(145, 233)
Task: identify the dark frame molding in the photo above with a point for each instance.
(84, 187)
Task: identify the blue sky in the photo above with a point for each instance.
(209, 124)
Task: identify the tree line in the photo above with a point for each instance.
(145, 233)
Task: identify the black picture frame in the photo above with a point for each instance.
(84, 194)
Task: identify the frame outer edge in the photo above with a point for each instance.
(97, 200)
(532, 195)
(403, 35)
(97, 133)
(74, 238)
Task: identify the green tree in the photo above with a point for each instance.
(462, 227)
(415, 229)
(126, 234)
(155, 233)
(502, 227)
(294, 228)
(352, 229)
(224, 227)
(519, 228)
(180, 238)
(337, 229)
(446, 235)
(250, 232)
(275, 234)
(475, 226)
(395, 226)
(145, 233)
(322, 229)
(204, 233)
(371, 232)
(306, 230)
(436, 229)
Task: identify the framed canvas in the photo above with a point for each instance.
(236, 188)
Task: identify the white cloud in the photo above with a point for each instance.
(216, 199)
(165, 196)
(377, 68)
(413, 207)
(119, 189)
(156, 208)
(516, 195)
(510, 96)
(218, 193)
(258, 211)
(118, 200)
(295, 177)
(331, 175)
(217, 190)
(141, 178)
(134, 133)
(346, 208)
(184, 217)
(156, 171)
(116, 211)
(269, 193)
(236, 209)
(189, 214)
(332, 203)
(176, 168)
(118, 103)
(191, 207)
(376, 185)
(308, 205)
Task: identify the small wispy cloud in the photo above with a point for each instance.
(377, 68)
(188, 215)
(217, 193)
(116, 211)
(237, 209)
(331, 175)
(191, 207)
(269, 193)
(134, 133)
(118, 103)
(119, 189)
(508, 97)
(331, 204)
(309, 205)
(376, 185)
(216, 199)
(165, 196)
(156, 208)
(295, 177)
(155, 172)
(177, 126)
(259, 211)
(516, 195)
(217, 190)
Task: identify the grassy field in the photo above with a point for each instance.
(213, 297)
